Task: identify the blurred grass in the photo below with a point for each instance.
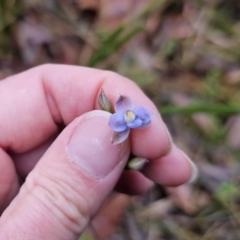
(184, 54)
(9, 13)
(113, 43)
(220, 110)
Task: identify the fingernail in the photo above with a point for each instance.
(194, 170)
(170, 140)
(90, 146)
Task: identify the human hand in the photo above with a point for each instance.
(70, 172)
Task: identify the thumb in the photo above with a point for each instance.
(69, 183)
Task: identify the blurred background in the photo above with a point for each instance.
(185, 55)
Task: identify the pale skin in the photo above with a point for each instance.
(60, 196)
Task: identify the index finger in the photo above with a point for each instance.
(35, 103)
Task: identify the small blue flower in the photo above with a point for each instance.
(127, 116)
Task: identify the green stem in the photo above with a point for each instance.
(198, 108)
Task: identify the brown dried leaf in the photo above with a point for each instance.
(233, 77)
(30, 36)
(93, 5)
(182, 197)
(157, 209)
(212, 176)
(233, 136)
(114, 12)
(204, 122)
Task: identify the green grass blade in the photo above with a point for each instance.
(197, 108)
(112, 44)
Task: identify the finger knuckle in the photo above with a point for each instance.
(57, 197)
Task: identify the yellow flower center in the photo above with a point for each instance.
(129, 116)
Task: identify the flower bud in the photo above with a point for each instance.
(103, 102)
(137, 163)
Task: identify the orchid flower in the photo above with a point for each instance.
(127, 116)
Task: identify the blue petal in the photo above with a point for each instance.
(117, 123)
(123, 104)
(144, 114)
(145, 125)
(119, 137)
(135, 124)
